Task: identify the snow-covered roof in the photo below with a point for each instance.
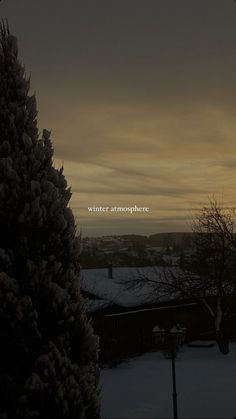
(95, 305)
(121, 289)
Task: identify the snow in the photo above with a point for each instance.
(119, 291)
(202, 343)
(137, 286)
(142, 388)
(95, 305)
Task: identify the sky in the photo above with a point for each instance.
(140, 97)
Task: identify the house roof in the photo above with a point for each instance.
(124, 289)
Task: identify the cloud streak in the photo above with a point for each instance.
(141, 100)
(173, 161)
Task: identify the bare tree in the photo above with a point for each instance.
(207, 274)
(214, 262)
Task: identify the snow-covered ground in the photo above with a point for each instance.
(142, 388)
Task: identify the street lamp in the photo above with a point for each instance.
(173, 338)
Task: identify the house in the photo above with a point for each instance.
(124, 314)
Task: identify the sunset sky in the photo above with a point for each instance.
(141, 100)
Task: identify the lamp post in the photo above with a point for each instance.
(173, 338)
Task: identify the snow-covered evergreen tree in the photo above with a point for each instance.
(48, 353)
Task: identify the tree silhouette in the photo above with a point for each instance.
(47, 349)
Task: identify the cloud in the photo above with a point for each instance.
(140, 100)
(226, 164)
(116, 133)
(161, 158)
